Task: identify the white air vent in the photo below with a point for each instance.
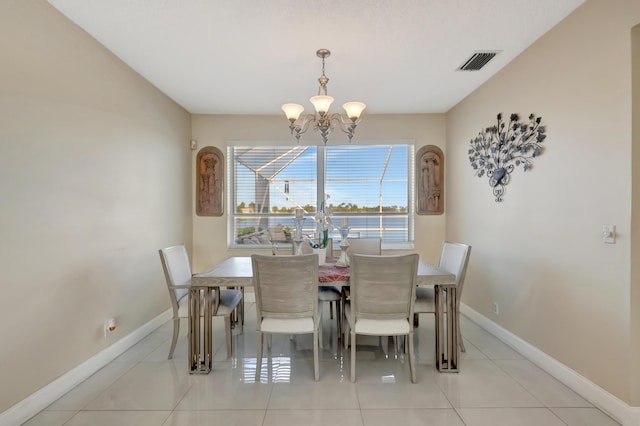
(478, 60)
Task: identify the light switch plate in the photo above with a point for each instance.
(609, 234)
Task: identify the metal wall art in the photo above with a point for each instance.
(498, 150)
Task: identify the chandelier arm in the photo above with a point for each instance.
(302, 128)
(347, 125)
(301, 125)
(306, 120)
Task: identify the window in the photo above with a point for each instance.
(369, 187)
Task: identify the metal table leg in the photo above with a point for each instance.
(446, 329)
(440, 330)
(237, 315)
(200, 344)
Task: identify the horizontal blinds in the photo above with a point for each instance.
(274, 179)
(367, 185)
(367, 177)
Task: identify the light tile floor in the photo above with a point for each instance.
(495, 386)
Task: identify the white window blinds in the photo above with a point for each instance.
(368, 188)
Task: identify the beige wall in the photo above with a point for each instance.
(210, 233)
(539, 254)
(94, 178)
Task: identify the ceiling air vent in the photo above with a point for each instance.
(477, 61)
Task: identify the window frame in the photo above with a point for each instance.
(320, 185)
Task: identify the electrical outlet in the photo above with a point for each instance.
(495, 308)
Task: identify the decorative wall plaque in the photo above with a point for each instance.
(498, 150)
(209, 182)
(430, 180)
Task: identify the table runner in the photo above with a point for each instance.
(330, 273)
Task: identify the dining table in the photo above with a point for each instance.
(237, 272)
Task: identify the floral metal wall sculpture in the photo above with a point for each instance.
(498, 150)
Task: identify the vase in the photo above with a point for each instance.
(498, 174)
(322, 255)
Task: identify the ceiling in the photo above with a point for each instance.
(251, 56)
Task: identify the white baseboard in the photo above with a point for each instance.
(610, 404)
(41, 399)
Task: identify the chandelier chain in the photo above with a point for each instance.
(323, 80)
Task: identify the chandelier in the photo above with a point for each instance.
(322, 120)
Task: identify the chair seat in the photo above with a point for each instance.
(375, 327)
(425, 300)
(229, 299)
(329, 293)
(287, 325)
(382, 327)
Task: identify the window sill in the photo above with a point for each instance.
(399, 245)
(287, 246)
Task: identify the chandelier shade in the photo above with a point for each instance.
(354, 109)
(321, 103)
(323, 121)
(292, 111)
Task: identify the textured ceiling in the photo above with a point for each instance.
(251, 56)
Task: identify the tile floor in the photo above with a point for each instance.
(496, 386)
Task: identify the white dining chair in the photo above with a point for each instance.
(371, 246)
(177, 272)
(454, 258)
(383, 291)
(286, 291)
